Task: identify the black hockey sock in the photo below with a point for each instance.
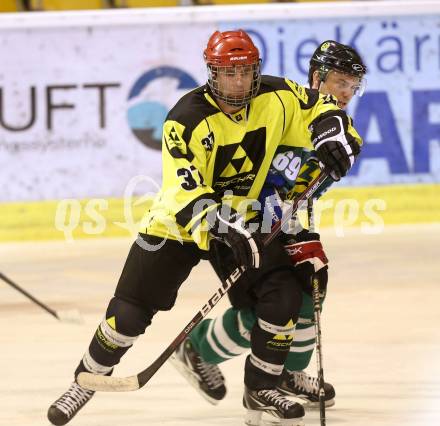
(270, 347)
(123, 323)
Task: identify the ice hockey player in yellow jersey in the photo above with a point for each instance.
(218, 144)
(338, 70)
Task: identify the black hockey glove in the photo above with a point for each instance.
(335, 148)
(308, 257)
(229, 227)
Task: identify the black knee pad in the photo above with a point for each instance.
(280, 297)
(123, 323)
(129, 319)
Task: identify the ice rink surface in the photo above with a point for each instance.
(381, 334)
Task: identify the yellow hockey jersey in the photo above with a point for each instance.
(209, 157)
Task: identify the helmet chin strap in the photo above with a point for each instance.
(322, 79)
(323, 73)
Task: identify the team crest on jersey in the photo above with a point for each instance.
(208, 142)
(173, 138)
(174, 144)
(237, 164)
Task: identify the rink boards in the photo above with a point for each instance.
(366, 208)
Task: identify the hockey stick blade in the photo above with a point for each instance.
(72, 316)
(108, 384)
(101, 383)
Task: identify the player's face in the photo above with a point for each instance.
(342, 86)
(235, 82)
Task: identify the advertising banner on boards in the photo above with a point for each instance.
(81, 108)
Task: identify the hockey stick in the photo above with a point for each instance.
(317, 318)
(123, 384)
(67, 316)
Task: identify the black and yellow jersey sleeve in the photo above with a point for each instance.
(209, 157)
(185, 196)
(353, 132)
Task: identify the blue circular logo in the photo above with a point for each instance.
(150, 99)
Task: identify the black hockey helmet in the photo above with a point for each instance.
(331, 55)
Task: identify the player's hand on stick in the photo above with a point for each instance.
(229, 226)
(335, 148)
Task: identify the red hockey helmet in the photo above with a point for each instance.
(229, 52)
(231, 48)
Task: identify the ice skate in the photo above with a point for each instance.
(206, 378)
(273, 403)
(300, 385)
(66, 407)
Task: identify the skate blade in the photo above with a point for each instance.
(262, 418)
(282, 422)
(308, 405)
